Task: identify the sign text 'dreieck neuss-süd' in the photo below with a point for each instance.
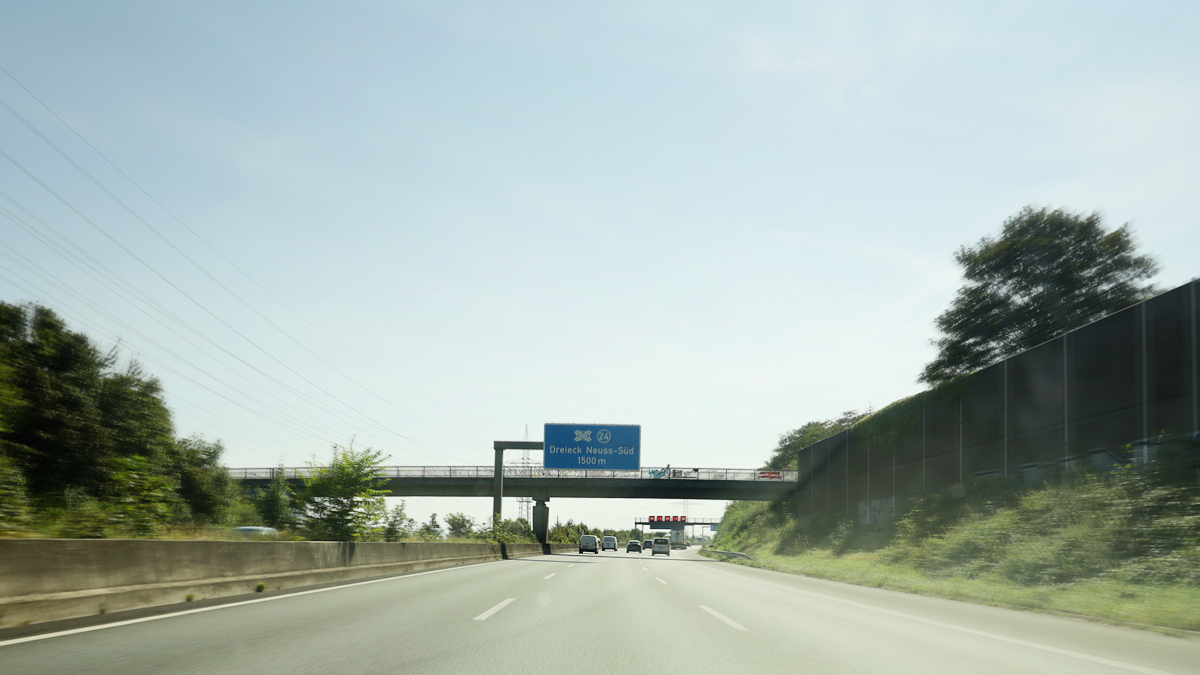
(615, 447)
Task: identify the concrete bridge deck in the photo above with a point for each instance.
(542, 484)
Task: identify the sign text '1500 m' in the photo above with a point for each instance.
(613, 447)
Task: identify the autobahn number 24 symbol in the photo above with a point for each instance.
(603, 436)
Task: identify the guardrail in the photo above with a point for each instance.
(537, 472)
(728, 554)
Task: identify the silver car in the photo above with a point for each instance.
(661, 545)
(589, 542)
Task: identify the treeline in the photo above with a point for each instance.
(88, 449)
(344, 501)
(87, 444)
(570, 532)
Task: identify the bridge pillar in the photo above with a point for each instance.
(541, 521)
(498, 485)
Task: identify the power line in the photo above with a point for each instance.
(100, 329)
(162, 364)
(113, 318)
(219, 346)
(197, 265)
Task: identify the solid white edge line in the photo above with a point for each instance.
(660, 580)
(724, 618)
(549, 575)
(88, 629)
(499, 606)
(1145, 670)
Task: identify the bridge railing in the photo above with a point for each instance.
(538, 472)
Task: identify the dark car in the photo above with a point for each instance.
(633, 546)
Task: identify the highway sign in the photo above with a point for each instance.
(593, 446)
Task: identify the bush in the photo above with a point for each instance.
(15, 514)
(142, 503)
(1133, 526)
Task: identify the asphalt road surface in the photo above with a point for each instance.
(613, 611)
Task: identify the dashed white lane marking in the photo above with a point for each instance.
(549, 575)
(1145, 670)
(501, 605)
(724, 618)
(571, 565)
(660, 580)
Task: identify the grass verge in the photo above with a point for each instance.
(1121, 547)
(1171, 606)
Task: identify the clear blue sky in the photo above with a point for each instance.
(715, 222)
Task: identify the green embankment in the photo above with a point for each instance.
(1122, 547)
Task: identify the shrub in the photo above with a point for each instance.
(15, 514)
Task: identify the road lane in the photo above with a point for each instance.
(685, 613)
(900, 626)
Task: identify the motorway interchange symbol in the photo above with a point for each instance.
(602, 436)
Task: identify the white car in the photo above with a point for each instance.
(609, 542)
(589, 542)
(661, 545)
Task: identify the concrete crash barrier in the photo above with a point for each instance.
(46, 579)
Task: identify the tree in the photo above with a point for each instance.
(507, 531)
(431, 531)
(15, 515)
(398, 525)
(59, 438)
(79, 430)
(461, 526)
(1049, 272)
(204, 485)
(143, 504)
(570, 531)
(68, 413)
(784, 455)
(12, 404)
(134, 414)
(275, 503)
(342, 501)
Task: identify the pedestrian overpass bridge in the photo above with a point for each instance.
(542, 484)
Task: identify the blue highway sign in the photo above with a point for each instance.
(593, 446)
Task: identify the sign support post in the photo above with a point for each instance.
(498, 480)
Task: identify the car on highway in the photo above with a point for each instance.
(633, 545)
(609, 542)
(661, 545)
(647, 544)
(589, 542)
(249, 532)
